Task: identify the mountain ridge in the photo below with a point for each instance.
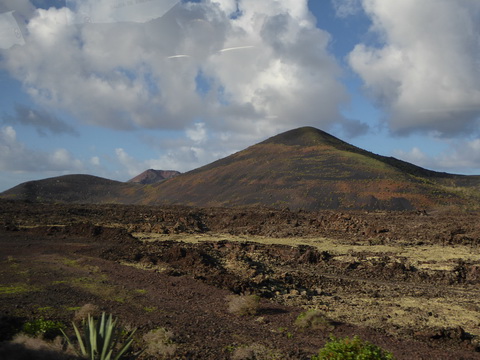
(304, 168)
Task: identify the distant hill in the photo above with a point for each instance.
(75, 189)
(304, 168)
(152, 176)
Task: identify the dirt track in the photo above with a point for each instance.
(407, 282)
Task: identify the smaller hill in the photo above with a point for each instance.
(74, 189)
(152, 176)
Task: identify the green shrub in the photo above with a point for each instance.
(101, 340)
(40, 327)
(352, 349)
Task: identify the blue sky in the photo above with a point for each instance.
(114, 87)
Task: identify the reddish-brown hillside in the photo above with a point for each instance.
(152, 176)
(309, 169)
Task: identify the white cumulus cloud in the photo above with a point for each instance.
(425, 74)
(198, 134)
(247, 67)
(108, 11)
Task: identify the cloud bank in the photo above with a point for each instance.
(425, 75)
(241, 66)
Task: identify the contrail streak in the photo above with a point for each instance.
(236, 48)
(178, 56)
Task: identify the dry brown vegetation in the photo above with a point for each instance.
(314, 319)
(86, 310)
(243, 304)
(23, 347)
(159, 343)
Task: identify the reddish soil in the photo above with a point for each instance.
(56, 258)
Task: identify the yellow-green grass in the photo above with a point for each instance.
(435, 257)
(18, 288)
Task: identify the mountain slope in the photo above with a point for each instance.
(310, 169)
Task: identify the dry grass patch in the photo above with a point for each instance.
(314, 319)
(24, 347)
(160, 343)
(87, 309)
(434, 256)
(243, 304)
(255, 352)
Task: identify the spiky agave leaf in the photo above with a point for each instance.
(125, 346)
(83, 351)
(101, 338)
(106, 331)
(91, 334)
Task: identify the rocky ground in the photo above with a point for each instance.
(407, 282)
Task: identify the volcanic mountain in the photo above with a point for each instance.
(152, 176)
(307, 168)
(304, 168)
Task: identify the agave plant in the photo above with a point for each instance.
(101, 339)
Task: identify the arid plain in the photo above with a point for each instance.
(406, 281)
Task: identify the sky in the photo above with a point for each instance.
(114, 87)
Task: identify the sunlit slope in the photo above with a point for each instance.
(310, 169)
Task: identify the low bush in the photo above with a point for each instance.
(159, 342)
(243, 304)
(48, 329)
(352, 349)
(314, 319)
